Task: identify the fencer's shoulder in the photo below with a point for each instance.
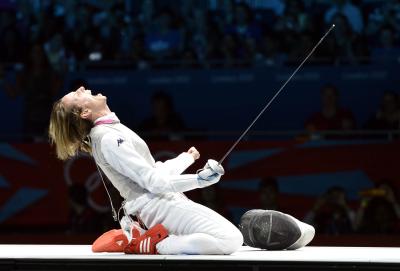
(109, 137)
(112, 139)
(99, 132)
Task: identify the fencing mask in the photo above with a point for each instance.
(273, 230)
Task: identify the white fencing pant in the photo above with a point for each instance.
(193, 228)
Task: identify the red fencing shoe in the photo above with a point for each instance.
(111, 241)
(146, 243)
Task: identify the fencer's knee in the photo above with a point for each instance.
(232, 241)
(237, 239)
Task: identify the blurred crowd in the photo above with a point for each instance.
(332, 121)
(146, 34)
(334, 117)
(375, 210)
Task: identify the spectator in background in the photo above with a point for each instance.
(296, 29)
(162, 40)
(164, 122)
(56, 53)
(146, 14)
(12, 47)
(269, 194)
(139, 55)
(295, 18)
(386, 51)
(213, 49)
(387, 13)
(378, 217)
(247, 32)
(39, 84)
(196, 31)
(331, 116)
(80, 33)
(241, 37)
(345, 45)
(347, 9)
(379, 210)
(249, 52)
(244, 26)
(331, 213)
(388, 115)
(268, 51)
(229, 50)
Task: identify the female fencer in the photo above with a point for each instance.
(152, 190)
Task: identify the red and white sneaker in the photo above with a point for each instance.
(127, 225)
(146, 243)
(110, 241)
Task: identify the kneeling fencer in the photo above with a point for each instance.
(170, 222)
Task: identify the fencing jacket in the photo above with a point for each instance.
(127, 162)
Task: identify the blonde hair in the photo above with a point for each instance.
(68, 131)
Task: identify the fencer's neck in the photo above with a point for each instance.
(101, 113)
(107, 119)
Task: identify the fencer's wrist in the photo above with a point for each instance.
(210, 174)
(209, 181)
(195, 155)
(187, 157)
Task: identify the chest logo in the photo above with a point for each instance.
(120, 141)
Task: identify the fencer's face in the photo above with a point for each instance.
(83, 98)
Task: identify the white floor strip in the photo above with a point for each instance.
(307, 254)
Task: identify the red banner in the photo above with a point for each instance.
(34, 184)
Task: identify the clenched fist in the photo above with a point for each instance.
(193, 152)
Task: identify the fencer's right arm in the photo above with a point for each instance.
(127, 161)
(179, 164)
(176, 165)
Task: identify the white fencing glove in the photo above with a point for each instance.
(210, 174)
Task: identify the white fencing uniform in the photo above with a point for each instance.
(153, 191)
